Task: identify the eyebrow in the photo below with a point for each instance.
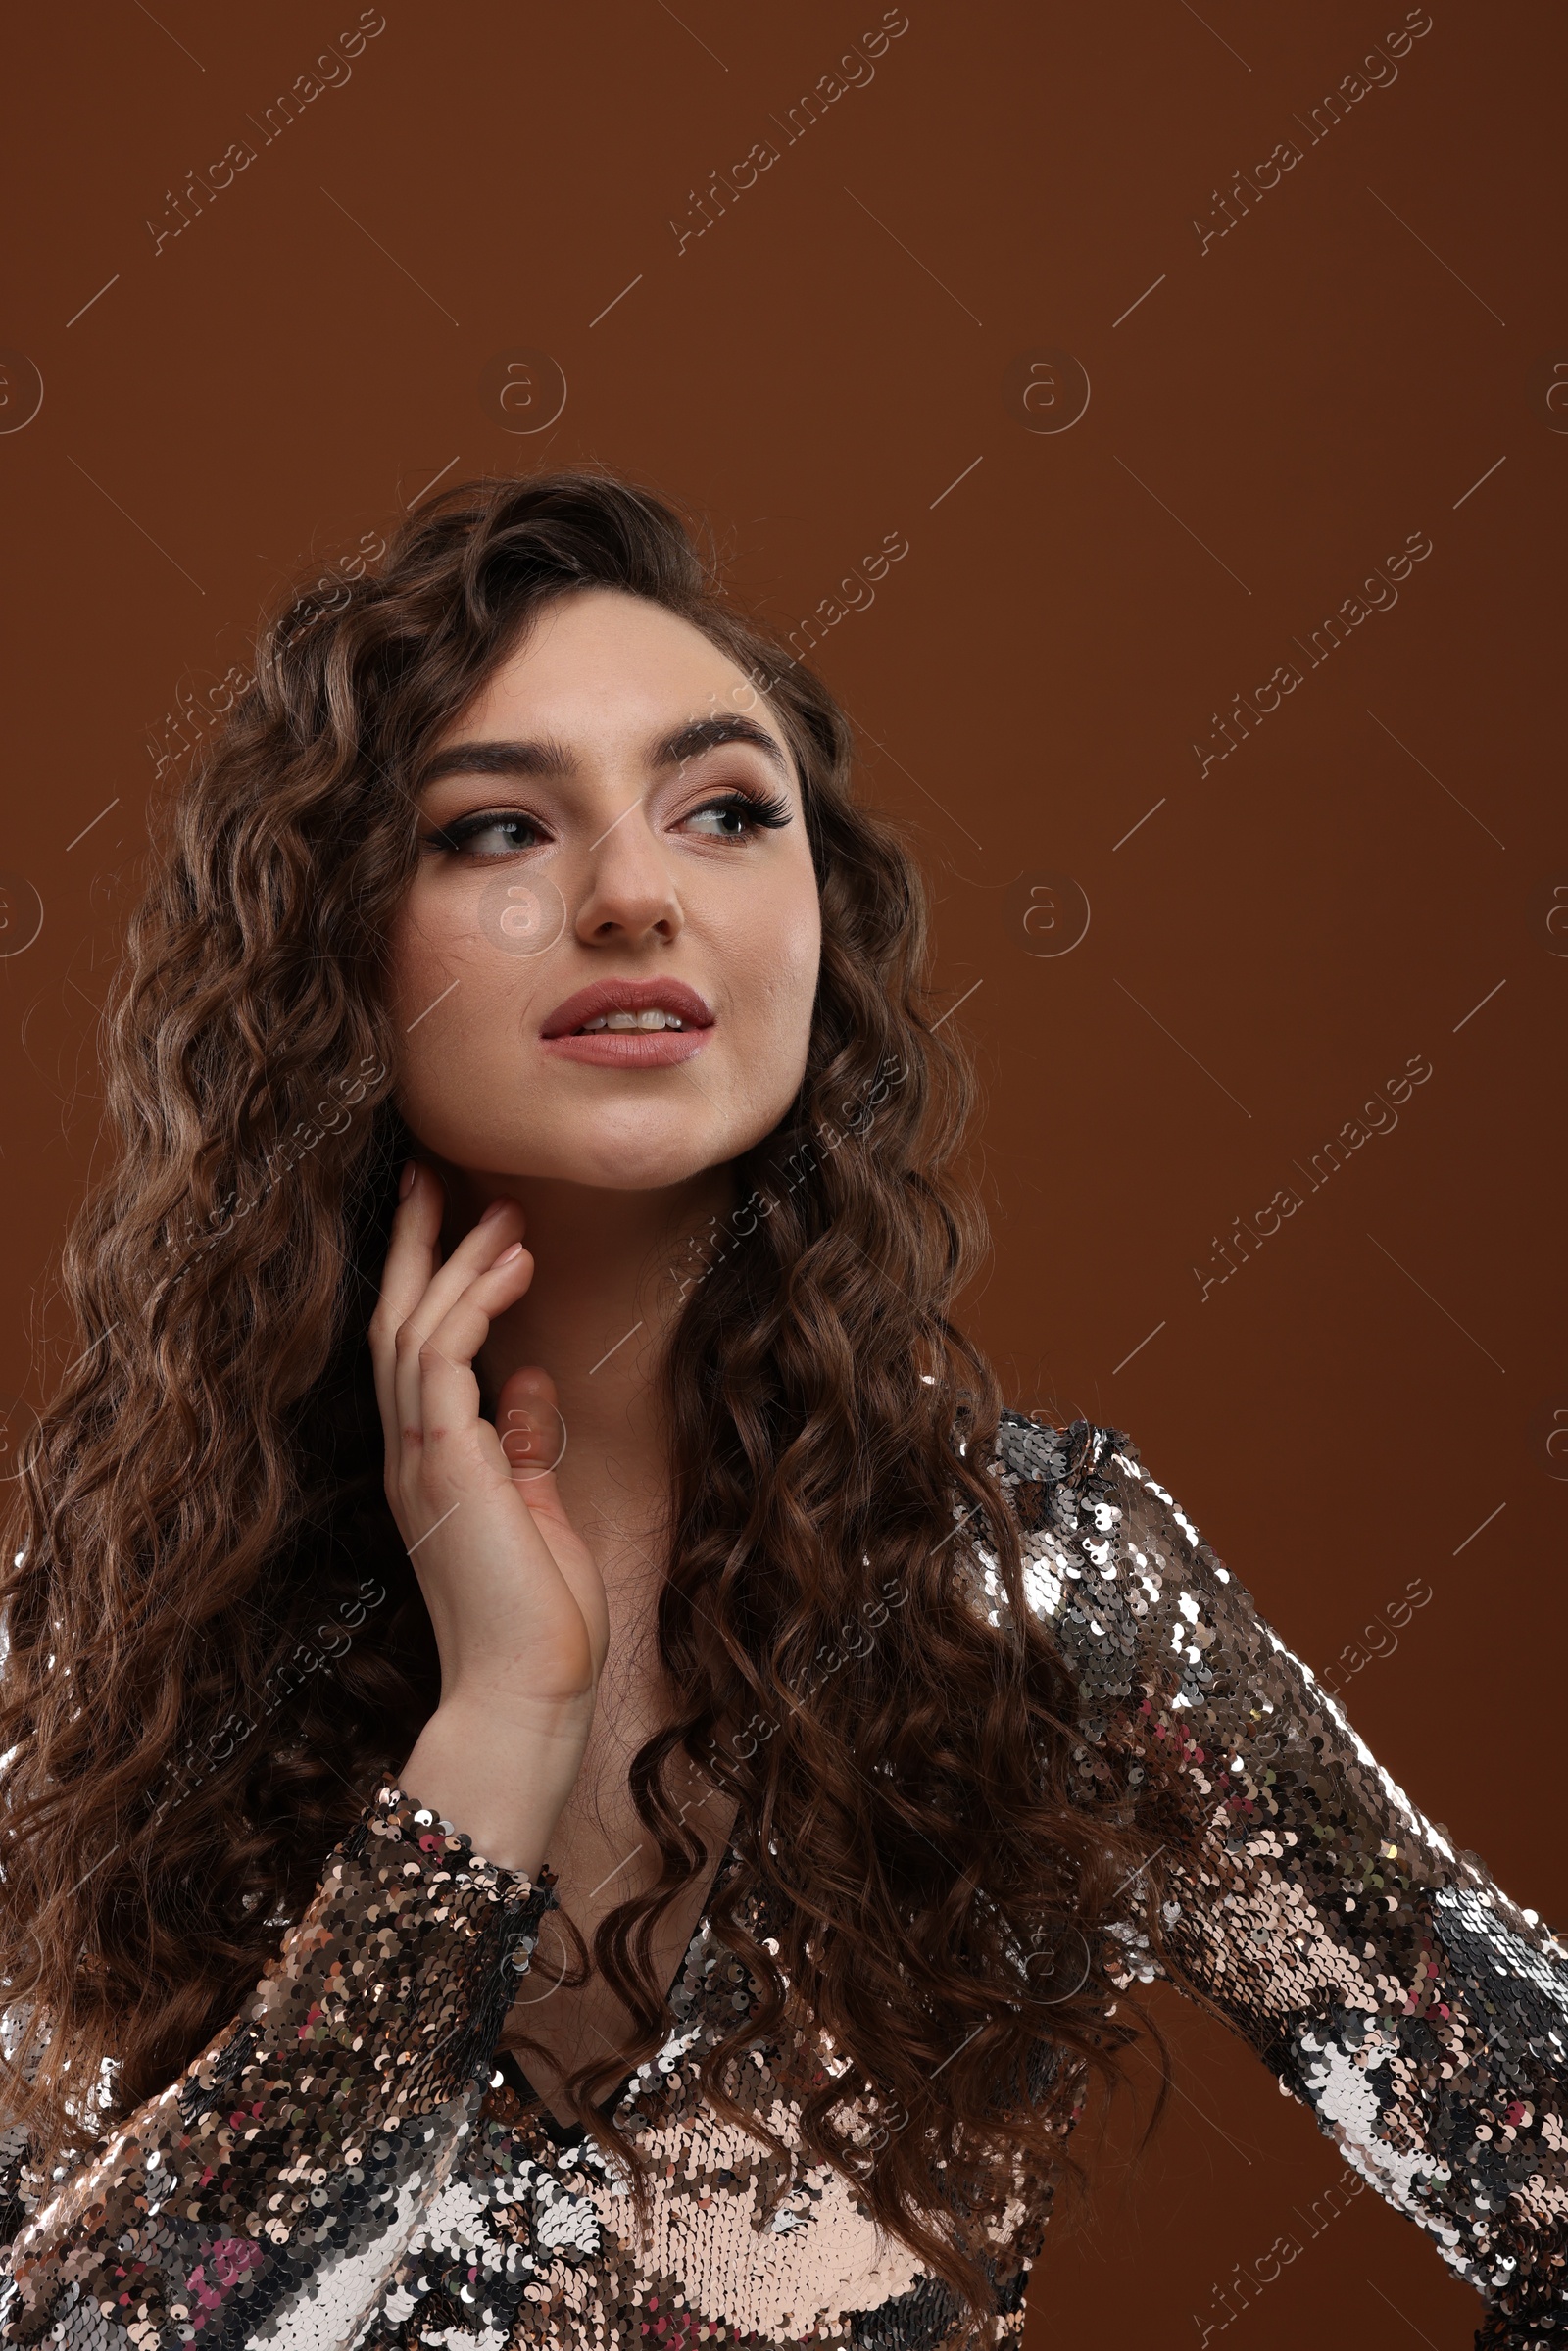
(485, 756)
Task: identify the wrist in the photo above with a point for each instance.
(503, 1723)
(501, 1778)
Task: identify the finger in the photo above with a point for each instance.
(533, 1437)
(437, 1394)
(449, 1392)
(473, 1254)
(410, 1261)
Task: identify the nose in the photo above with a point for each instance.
(631, 890)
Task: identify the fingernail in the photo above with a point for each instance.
(497, 1207)
(406, 1179)
(507, 1255)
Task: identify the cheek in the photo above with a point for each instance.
(429, 952)
(424, 961)
(774, 960)
(415, 952)
(454, 999)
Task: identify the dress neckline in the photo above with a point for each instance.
(570, 2134)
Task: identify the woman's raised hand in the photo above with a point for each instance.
(516, 1604)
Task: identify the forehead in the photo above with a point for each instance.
(609, 660)
(598, 678)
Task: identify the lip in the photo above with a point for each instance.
(628, 1048)
(628, 996)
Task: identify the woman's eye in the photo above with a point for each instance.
(736, 816)
(488, 836)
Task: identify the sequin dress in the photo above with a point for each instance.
(346, 2163)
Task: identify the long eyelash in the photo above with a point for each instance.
(466, 828)
(768, 809)
(771, 811)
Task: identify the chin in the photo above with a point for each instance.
(615, 1172)
(651, 1158)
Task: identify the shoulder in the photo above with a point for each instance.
(1112, 1565)
(1053, 1477)
(1034, 1450)
(1042, 1468)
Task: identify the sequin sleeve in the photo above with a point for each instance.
(269, 2192)
(1381, 1973)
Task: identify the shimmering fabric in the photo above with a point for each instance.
(348, 2165)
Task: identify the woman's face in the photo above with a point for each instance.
(605, 971)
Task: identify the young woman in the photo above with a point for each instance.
(571, 1775)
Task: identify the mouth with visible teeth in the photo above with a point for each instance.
(628, 1024)
(653, 1018)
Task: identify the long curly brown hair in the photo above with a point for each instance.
(216, 1638)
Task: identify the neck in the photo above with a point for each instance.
(598, 1316)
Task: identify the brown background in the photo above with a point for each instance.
(846, 341)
